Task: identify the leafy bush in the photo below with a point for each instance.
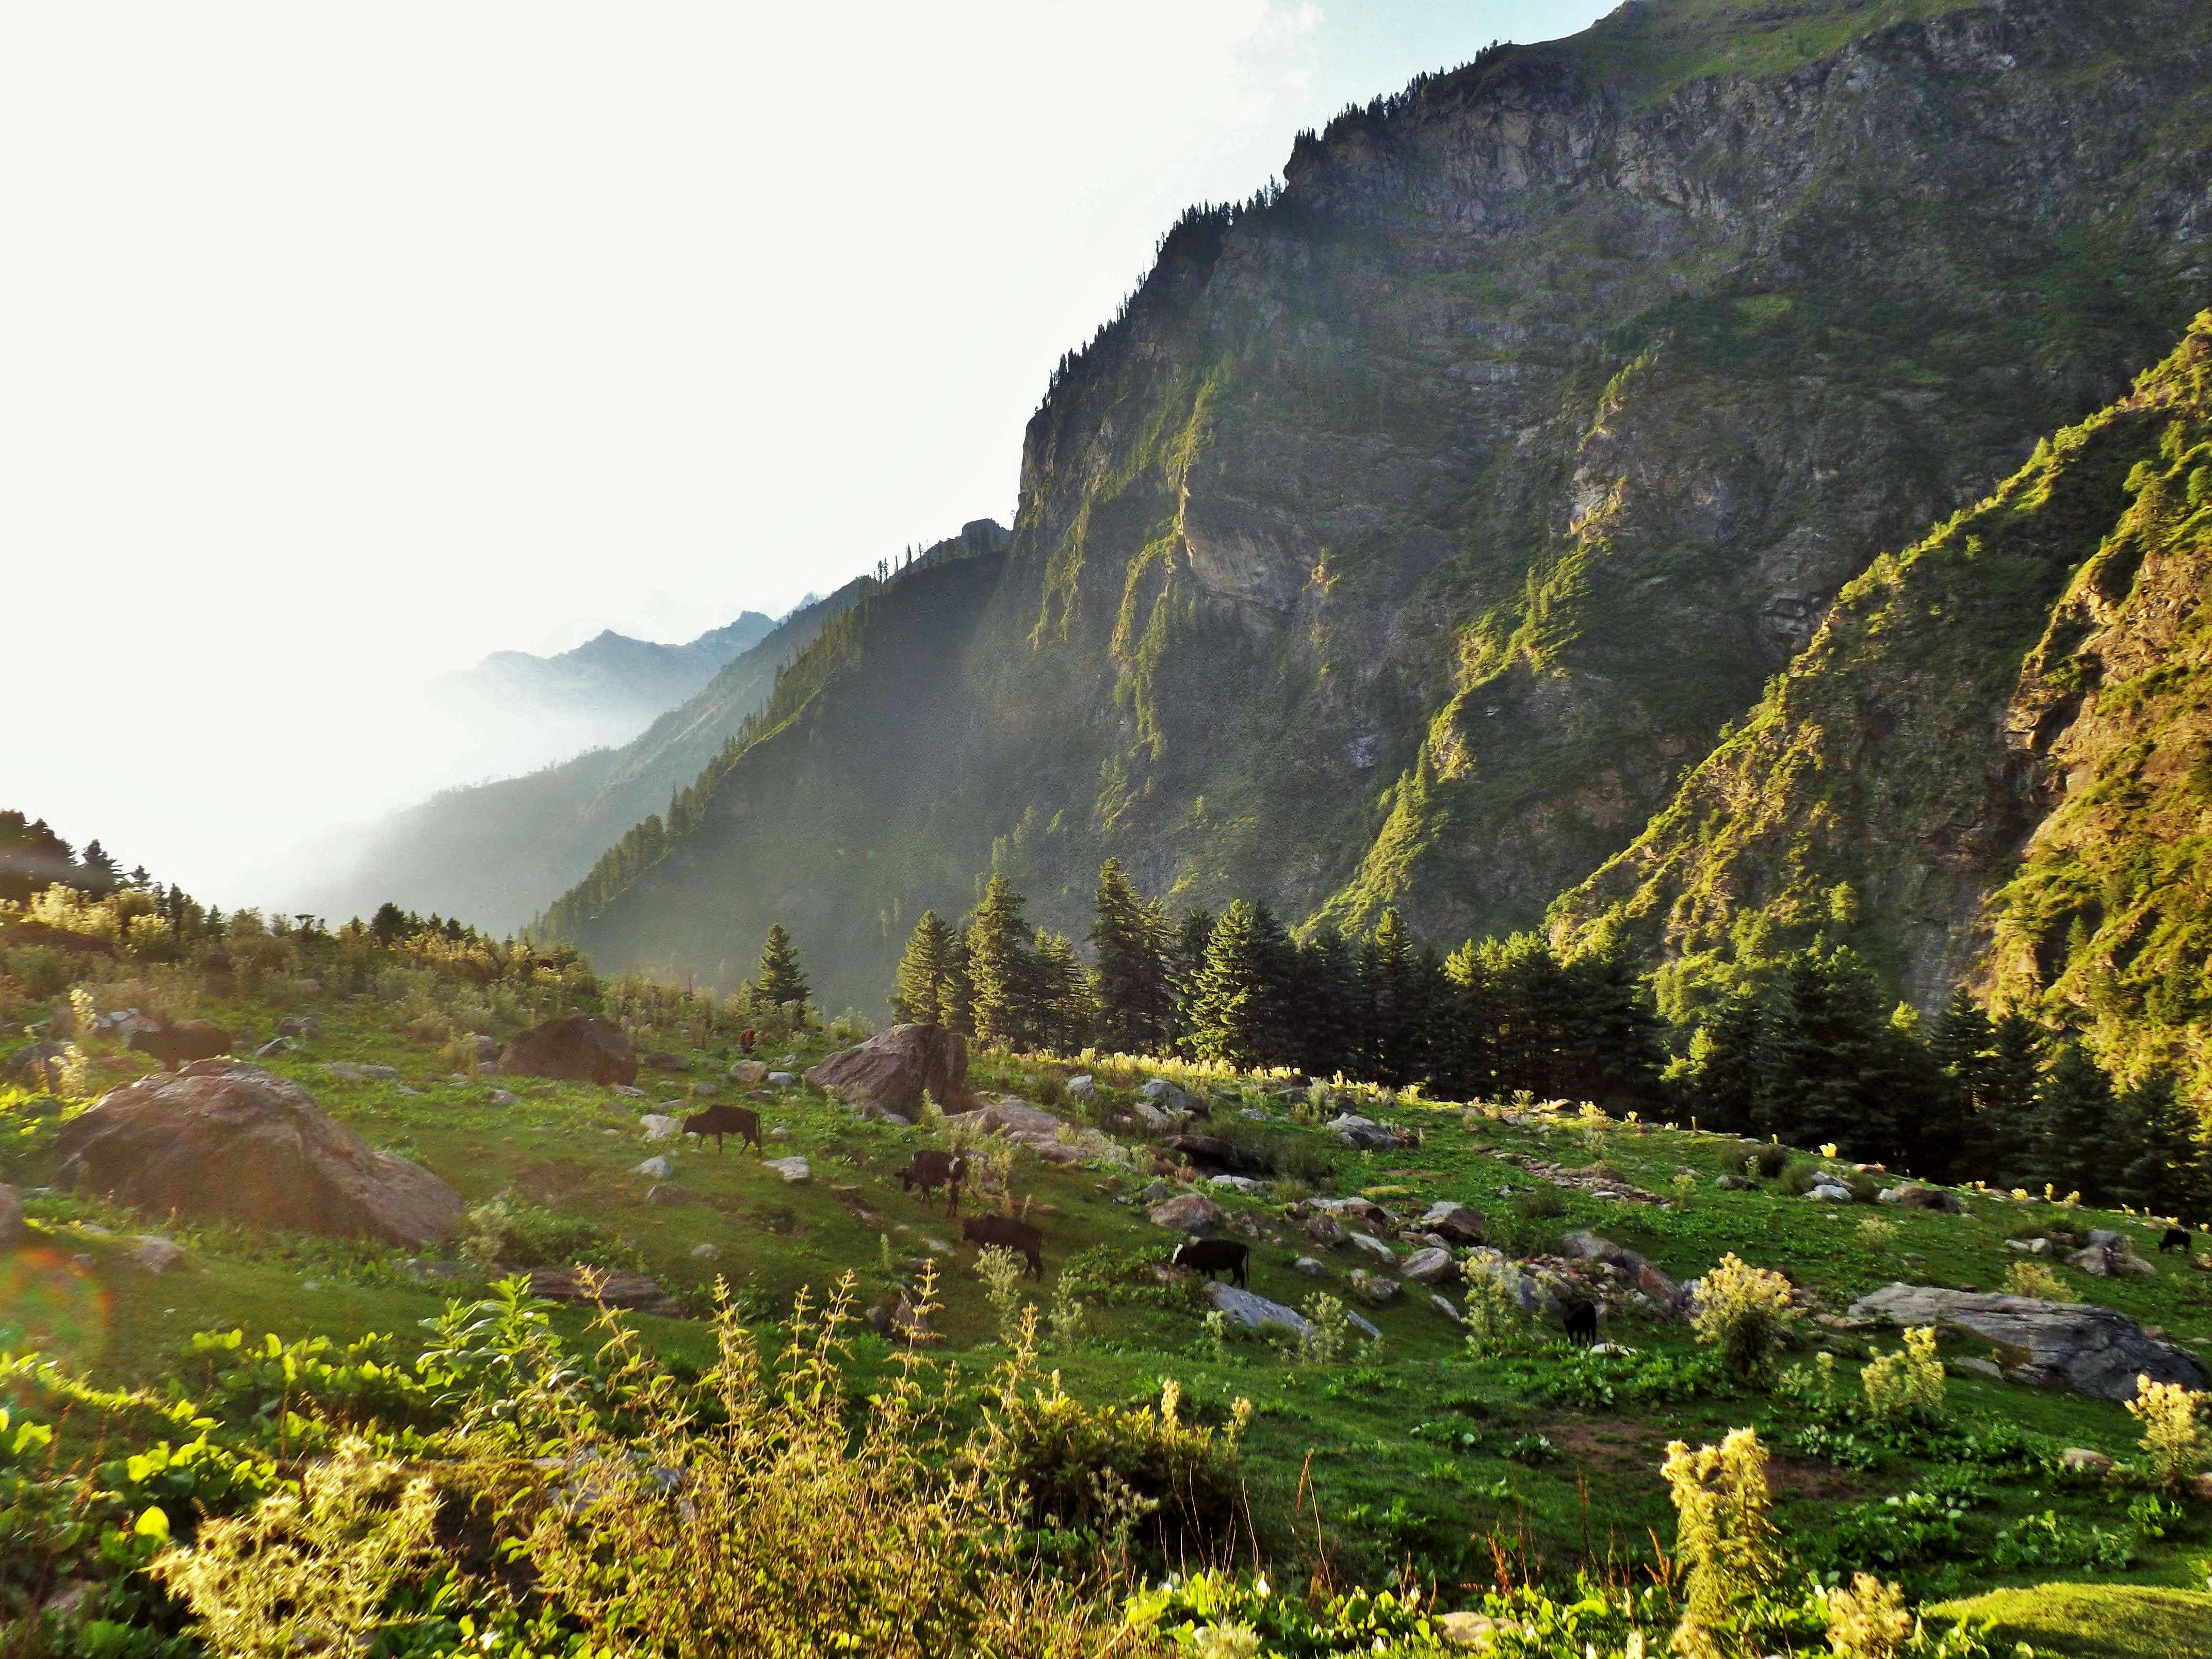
(1744, 1311)
(509, 1233)
(1906, 1387)
(1897, 1533)
(1604, 1381)
(1538, 1204)
(2048, 1540)
(1724, 1536)
(2032, 1279)
(2170, 1419)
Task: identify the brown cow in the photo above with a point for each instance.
(928, 1170)
(1008, 1234)
(176, 1044)
(718, 1120)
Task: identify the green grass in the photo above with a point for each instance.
(2095, 1621)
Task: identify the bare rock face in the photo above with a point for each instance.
(891, 1069)
(225, 1139)
(576, 1048)
(2091, 1350)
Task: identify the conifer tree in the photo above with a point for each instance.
(1399, 1011)
(2165, 1171)
(1135, 1001)
(956, 997)
(99, 875)
(1726, 1085)
(1186, 966)
(2001, 1133)
(1323, 971)
(778, 979)
(918, 993)
(1065, 1013)
(1230, 1016)
(1613, 1050)
(2074, 1142)
(998, 970)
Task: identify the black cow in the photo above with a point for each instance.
(1213, 1255)
(2177, 1238)
(718, 1120)
(1580, 1320)
(1008, 1234)
(185, 1040)
(929, 1170)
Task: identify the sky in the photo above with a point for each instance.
(341, 345)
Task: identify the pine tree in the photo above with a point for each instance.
(99, 875)
(2074, 1143)
(999, 968)
(778, 979)
(2164, 1146)
(1186, 967)
(1395, 996)
(2001, 1132)
(1065, 1011)
(1135, 1001)
(918, 993)
(1322, 993)
(1230, 1016)
(1728, 1065)
(1827, 1050)
(1613, 1051)
(955, 1000)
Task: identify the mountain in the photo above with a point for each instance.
(1995, 761)
(499, 852)
(523, 711)
(1413, 528)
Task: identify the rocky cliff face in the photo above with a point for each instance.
(1411, 530)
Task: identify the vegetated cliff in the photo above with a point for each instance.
(497, 854)
(1994, 762)
(1413, 527)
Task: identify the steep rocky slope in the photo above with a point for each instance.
(497, 854)
(2015, 702)
(1411, 529)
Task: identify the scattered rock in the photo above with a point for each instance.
(653, 1168)
(2029, 1246)
(1842, 1322)
(1207, 1152)
(1581, 1245)
(1082, 1089)
(627, 1091)
(659, 1126)
(275, 1046)
(1456, 1221)
(1378, 1290)
(902, 1318)
(1448, 1308)
(1464, 1630)
(155, 1253)
(707, 1252)
(223, 1138)
(503, 1097)
(1193, 1212)
(2109, 1254)
(1367, 1244)
(1326, 1229)
(574, 1049)
(795, 1170)
(1829, 1191)
(12, 1230)
(637, 1292)
(892, 1069)
(1311, 1266)
(486, 1048)
(1917, 1195)
(2083, 1457)
(702, 1091)
(2090, 1349)
(667, 1192)
(1430, 1266)
(39, 1065)
(305, 1026)
(1153, 1118)
(782, 1079)
(1732, 1183)
(353, 1072)
(663, 1060)
(1254, 1312)
(1236, 1183)
(1163, 1096)
(748, 1073)
(1362, 1133)
(1978, 1367)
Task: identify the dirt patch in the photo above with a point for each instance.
(1609, 1443)
(551, 1180)
(1820, 1481)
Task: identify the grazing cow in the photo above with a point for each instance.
(1580, 1320)
(2176, 1239)
(720, 1121)
(176, 1044)
(929, 1170)
(745, 1039)
(1008, 1234)
(1213, 1255)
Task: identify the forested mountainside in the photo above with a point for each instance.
(1415, 527)
(497, 852)
(1993, 762)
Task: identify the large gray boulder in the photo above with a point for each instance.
(890, 1070)
(223, 1138)
(1193, 1212)
(1256, 1311)
(2091, 1350)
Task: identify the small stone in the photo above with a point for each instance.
(1978, 1367)
(1235, 1183)
(1082, 1088)
(1464, 1630)
(655, 1168)
(503, 1097)
(2081, 1457)
(667, 1192)
(702, 1091)
(1448, 1308)
(659, 1126)
(748, 1073)
(354, 1071)
(782, 1132)
(795, 1171)
(1193, 1212)
(782, 1079)
(1326, 1229)
(1736, 1183)
(1367, 1244)
(1311, 1266)
(627, 1091)
(707, 1252)
(156, 1254)
(1430, 1266)
(1378, 1290)
(1458, 1223)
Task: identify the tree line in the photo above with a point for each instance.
(1811, 1055)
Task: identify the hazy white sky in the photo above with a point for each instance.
(340, 345)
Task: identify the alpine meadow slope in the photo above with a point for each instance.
(1413, 528)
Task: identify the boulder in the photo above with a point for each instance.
(703, 1091)
(1430, 1266)
(2081, 1457)
(1193, 1212)
(1456, 1221)
(706, 1253)
(637, 1292)
(782, 1079)
(307, 1027)
(1914, 1195)
(12, 1230)
(503, 1098)
(1030, 1126)
(223, 1138)
(1082, 1089)
(1311, 1266)
(1368, 1245)
(1153, 1118)
(1581, 1245)
(1829, 1191)
(902, 1317)
(1377, 1290)
(348, 1071)
(667, 1192)
(2110, 1255)
(1736, 1183)
(1207, 1152)
(574, 1049)
(1326, 1229)
(659, 1126)
(795, 1171)
(1163, 1096)
(661, 1060)
(1235, 1183)
(748, 1073)
(2090, 1349)
(1448, 1308)
(1362, 1133)
(486, 1048)
(891, 1069)
(653, 1168)
(155, 1253)
(1254, 1311)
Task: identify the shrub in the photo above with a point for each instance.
(1907, 1386)
(1494, 1320)
(2032, 1279)
(1724, 1534)
(1765, 1163)
(1330, 1329)
(1798, 1177)
(1539, 1204)
(2171, 1426)
(1878, 1232)
(1001, 1269)
(1744, 1311)
(1869, 1620)
(504, 1232)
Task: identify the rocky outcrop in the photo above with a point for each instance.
(2091, 1350)
(574, 1049)
(1587, 1247)
(891, 1070)
(1193, 1212)
(223, 1139)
